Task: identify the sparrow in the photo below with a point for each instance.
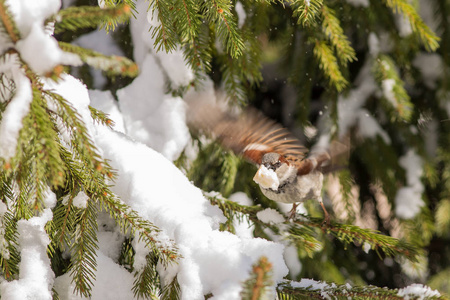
(286, 173)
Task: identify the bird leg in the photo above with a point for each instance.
(326, 220)
(293, 211)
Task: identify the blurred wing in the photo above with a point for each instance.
(250, 134)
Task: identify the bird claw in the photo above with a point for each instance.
(293, 212)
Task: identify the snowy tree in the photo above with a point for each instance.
(106, 193)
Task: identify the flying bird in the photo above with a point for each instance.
(285, 172)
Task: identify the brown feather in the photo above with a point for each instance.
(239, 131)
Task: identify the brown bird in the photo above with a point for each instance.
(285, 174)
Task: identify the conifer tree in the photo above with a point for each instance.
(371, 74)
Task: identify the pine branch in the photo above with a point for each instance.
(112, 65)
(334, 32)
(255, 288)
(387, 77)
(75, 18)
(429, 39)
(329, 65)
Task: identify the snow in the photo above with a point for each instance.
(417, 291)
(431, 67)
(29, 16)
(213, 261)
(112, 282)
(149, 133)
(387, 86)
(17, 109)
(104, 43)
(241, 14)
(408, 200)
(374, 44)
(350, 107)
(357, 3)
(267, 178)
(80, 200)
(244, 227)
(270, 215)
(35, 274)
(105, 102)
(151, 116)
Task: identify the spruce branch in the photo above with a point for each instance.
(348, 234)
(9, 256)
(256, 287)
(171, 291)
(164, 33)
(189, 20)
(306, 238)
(427, 36)
(219, 12)
(334, 32)
(74, 18)
(311, 289)
(83, 250)
(306, 10)
(8, 22)
(100, 117)
(329, 65)
(112, 65)
(146, 280)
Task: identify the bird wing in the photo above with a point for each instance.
(249, 133)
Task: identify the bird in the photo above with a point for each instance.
(286, 173)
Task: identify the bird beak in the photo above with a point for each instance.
(266, 178)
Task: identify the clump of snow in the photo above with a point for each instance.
(417, 291)
(152, 117)
(241, 14)
(403, 25)
(267, 178)
(408, 200)
(366, 247)
(29, 17)
(369, 127)
(270, 215)
(357, 3)
(80, 200)
(35, 274)
(17, 109)
(293, 262)
(387, 86)
(351, 111)
(104, 43)
(242, 226)
(374, 44)
(431, 67)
